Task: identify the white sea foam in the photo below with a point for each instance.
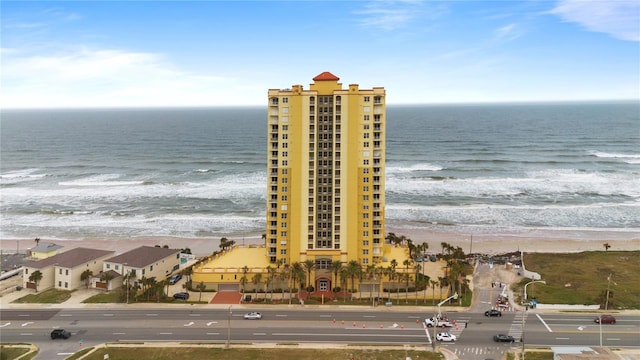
(18, 176)
(614, 155)
(416, 167)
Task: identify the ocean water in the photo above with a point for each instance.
(201, 172)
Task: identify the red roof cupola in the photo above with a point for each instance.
(326, 76)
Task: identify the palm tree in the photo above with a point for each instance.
(243, 279)
(344, 275)
(201, 287)
(336, 266)
(37, 240)
(442, 282)
(271, 273)
(256, 279)
(606, 246)
(394, 265)
(406, 264)
(126, 279)
(188, 272)
(86, 276)
(309, 265)
(297, 276)
(433, 290)
(370, 272)
(35, 278)
(378, 272)
(106, 277)
(353, 269)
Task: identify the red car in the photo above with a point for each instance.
(606, 319)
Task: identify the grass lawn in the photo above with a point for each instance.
(9, 353)
(161, 353)
(581, 278)
(51, 296)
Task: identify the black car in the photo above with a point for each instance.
(60, 334)
(503, 338)
(493, 312)
(181, 296)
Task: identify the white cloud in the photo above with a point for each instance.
(620, 18)
(389, 15)
(105, 78)
(508, 32)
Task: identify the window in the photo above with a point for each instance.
(285, 100)
(366, 118)
(366, 99)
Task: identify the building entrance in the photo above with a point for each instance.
(323, 285)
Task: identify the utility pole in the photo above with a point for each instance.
(606, 304)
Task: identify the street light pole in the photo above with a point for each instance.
(527, 309)
(228, 329)
(531, 282)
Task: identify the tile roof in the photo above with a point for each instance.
(71, 258)
(326, 76)
(143, 256)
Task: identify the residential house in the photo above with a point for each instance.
(63, 271)
(143, 262)
(44, 250)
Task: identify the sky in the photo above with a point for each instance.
(229, 53)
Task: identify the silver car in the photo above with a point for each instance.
(253, 316)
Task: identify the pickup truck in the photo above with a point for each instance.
(430, 322)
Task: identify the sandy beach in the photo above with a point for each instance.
(534, 241)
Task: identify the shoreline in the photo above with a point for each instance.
(542, 241)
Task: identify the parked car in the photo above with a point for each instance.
(253, 316)
(503, 338)
(433, 258)
(60, 334)
(493, 312)
(443, 336)
(430, 322)
(606, 319)
(175, 278)
(181, 296)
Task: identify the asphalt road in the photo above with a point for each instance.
(475, 331)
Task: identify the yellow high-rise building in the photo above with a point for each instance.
(325, 176)
(325, 227)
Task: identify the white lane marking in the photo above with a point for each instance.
(188, 324)
(27, 323)
(325, 315)
(27, 315)
(26, 334)
(359, 335)
(282, 315)
(195, 314)
(118, 333)
(3, 325)
(369, 316)
(264, 334)
(211, 322)
(165, 333)
(107, 314)
(543, 322)
(61, 315)
(151, 314)
(614, 339)
(559, 338)
(64, 354)
(213, 333)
